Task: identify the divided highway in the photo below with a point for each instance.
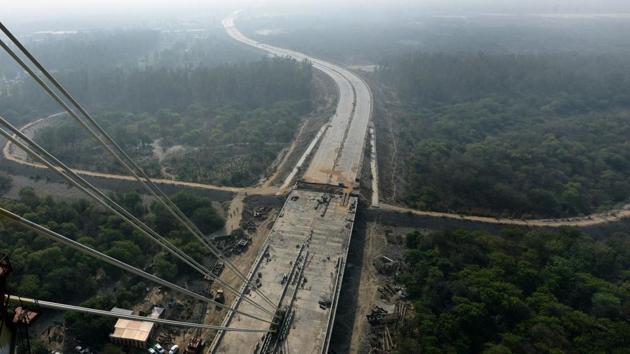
(339, 155)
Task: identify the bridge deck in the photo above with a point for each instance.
(307, 242)
(323, 243)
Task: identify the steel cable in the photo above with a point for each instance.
(113, 261)
(144, 180)
(67, 173)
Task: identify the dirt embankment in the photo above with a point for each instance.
(390, 172)
(363, 284)
(258, 215)
(324, 102)
(349, 317)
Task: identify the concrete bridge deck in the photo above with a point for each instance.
(302, 264)
(301, 268)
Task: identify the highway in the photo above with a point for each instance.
(339, 155)
(311, 236)
(302, 263)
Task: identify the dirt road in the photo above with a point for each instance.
(234, 214)
(10, 152)
(374, 244)
(582, 221)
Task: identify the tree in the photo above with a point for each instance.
(477, 292)
(37, 347)
(606, 305)
(88, 328)
(165, 267)
(126, 251)
(28, 197)
(511, 136)
(132, 202)
(30, 286)
(207, 219)
(5, 183)
(110, 348)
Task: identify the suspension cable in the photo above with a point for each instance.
(136, 171)
(91, 311)
(67, 173)
(113, 261)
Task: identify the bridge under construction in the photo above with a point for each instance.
(291, 292)
(301, 266)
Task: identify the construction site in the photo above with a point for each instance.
(383, 178)
(300, 269)
(286, 268)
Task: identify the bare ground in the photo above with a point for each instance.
(245, 260)
(370, 239)
(390, 172)
(234, 213)
(368, 283)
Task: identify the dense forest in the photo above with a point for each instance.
(104, 49)
(94, 64)
(137, 90)
(188, 102)
(223, 125)
(48, 271)
(512, 135)
(371, 37)
(517, 292)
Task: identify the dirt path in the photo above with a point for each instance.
(374, 168)
(369, 283)
(10, 153)
(234, 214)
(583, 221)
(161, 154)
(394, 162)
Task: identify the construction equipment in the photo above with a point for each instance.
(218, 268)
(19, 320)
(195, 346)
(22, 320)
(379, 317)
(219, 298)
(241, 246)
(386, 265)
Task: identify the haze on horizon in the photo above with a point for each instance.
(32, 10)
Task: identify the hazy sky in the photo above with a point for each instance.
(28, 10)
(33, 10)
(16, 7)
